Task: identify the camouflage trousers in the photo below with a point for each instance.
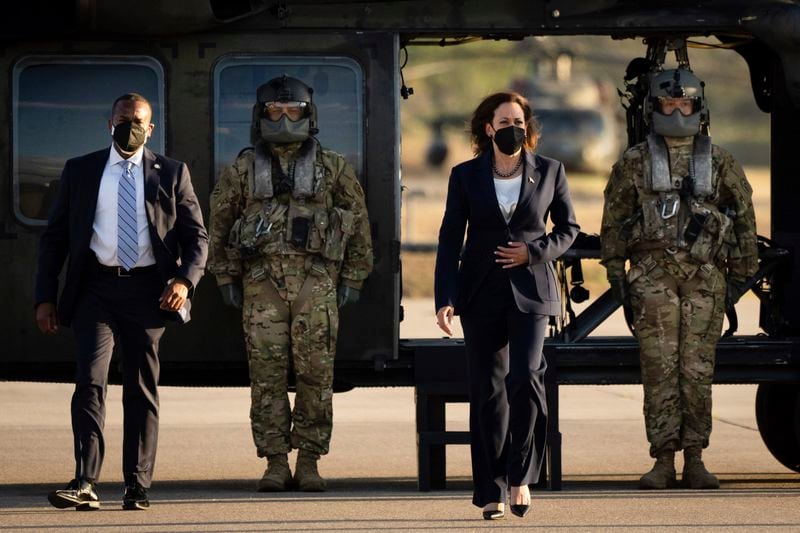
(678, 311)
(304, 344)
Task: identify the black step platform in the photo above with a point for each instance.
(440, 377)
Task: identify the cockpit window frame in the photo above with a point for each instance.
(27, 61)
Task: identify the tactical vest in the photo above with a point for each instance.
(680, 212)
(301, 222)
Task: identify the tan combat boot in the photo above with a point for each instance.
(306, 474)
(277, 476)
(662, 474)
(695, 475)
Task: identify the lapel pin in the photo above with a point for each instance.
(530, 179)
(157, 166)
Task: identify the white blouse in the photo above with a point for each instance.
(508, 194)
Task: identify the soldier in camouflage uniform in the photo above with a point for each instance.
(289, 226)
(679, 209)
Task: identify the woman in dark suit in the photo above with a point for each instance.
(504, 290)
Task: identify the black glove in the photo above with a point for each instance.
(232, 295)
(346, 295)
(619, 288)
(733, 292)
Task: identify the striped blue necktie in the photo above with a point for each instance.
(127, 230)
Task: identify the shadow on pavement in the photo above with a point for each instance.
(23, 495)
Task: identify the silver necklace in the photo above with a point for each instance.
(513, 170)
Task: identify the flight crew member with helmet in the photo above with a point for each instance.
(679, 208)
(290, 245)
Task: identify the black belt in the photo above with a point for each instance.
(120, 272)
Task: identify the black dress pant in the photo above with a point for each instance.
(115, 309)
(508, 409)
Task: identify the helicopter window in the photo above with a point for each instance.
(61, 110)
(338, 95)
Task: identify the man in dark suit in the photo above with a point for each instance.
(128, 224)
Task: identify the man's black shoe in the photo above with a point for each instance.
(135, 498)
(79, 493)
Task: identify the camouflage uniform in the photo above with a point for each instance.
(279, 335)
(677, 288)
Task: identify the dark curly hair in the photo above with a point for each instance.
(484, 114)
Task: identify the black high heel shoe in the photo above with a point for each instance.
(494, 514)
(520, 510)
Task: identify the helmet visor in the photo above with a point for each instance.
(294, 111)
(687, 105)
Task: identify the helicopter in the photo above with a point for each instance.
(581, 122)
(199, 61)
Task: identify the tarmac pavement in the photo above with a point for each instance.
(207, 468)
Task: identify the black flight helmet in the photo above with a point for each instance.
(283, 89)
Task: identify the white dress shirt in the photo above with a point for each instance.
(104, 229)
(507, 191)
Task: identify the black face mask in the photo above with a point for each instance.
(509, 139)
(129, 136)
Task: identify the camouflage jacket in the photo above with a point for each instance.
(232, 201)
(626, 198)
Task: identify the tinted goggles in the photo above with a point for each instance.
(294, 111)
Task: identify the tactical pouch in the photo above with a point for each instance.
(341, 225)
(317, 231)
(660, 218)
(711, 237)
(269, 235)
(257, 232)
(243, 234)
(299, 233)
(694, 227)
(652, 224)
(299, 222)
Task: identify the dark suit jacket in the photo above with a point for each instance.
(179, 239)
(472, 204)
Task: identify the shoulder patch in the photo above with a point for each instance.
(732, 172)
